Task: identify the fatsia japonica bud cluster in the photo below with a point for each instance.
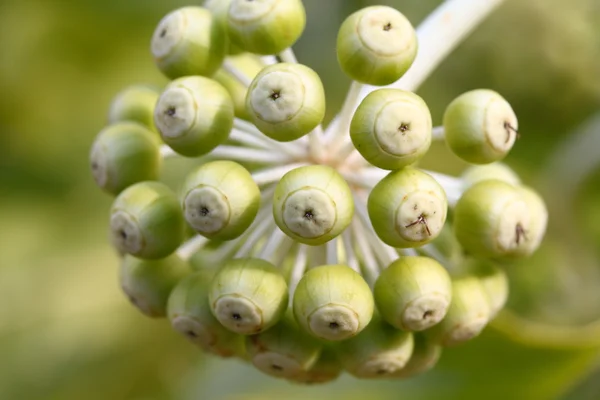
(315, 250)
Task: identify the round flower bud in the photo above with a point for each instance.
(377, 352)
(407, 208)
(194, 115)
(146, 221)
(376, 45)
(313, 204)
(333, 302)
(413, 293)
(480, 126)
(424, 357)
(148, 283)
(247, 64)
(266, 26)
(494, 282)
(283, 351)
(327, 368)
(391, 128)
(286, 101)
(497, 171)
(135, 104)
(189, 41)
(124, 154)
(220, 200)
(494, 219)
(469, 313)
(248, 295)
(190, 314)
(220, 11)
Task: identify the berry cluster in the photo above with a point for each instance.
(280, 272)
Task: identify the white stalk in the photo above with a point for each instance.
(273, 174)
(443, 30)
(191, 247)
(453, 186)
(261, 228)
(369, 262)
(236, 73)
(336, 134)
(431, 251)
(249, 139)
(409, 252)
(351, 259)
(332, 252)
(272, 245)
(437, 133)
(288, 56)
(249, 155)
(268, 60)
(298, 269)
(246, 129)
(315, 144)
(167, 152)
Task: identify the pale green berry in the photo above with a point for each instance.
(220, 11)
(189, 41)
(265, 26)
(333, 302)
(379, 351)
(146, 221)
(135, 104)
(538, 220)
(376, 45)
(148, 283)
(494, 219)
(407, 208)
(494, 281)
(413, 293)
(284, 351)
(286, 101)
(313, 204)
(468, 314)
(190, 314)
(194, 115)
(426, 353)
(220, 200)
(391, 128)
(497, 171)
(123, 154)
(480, 126)
(248, 295)
(247, 64)
(327, 368)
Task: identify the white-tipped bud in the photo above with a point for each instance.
(327, 368)
(494, 171)
(425, 356)
(494, 281)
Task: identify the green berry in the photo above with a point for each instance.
(283, 351)
(497, 171)
(194, 115)
(468, 314)
(376, 45)
(123, 154)
(189, 41)
(286, 101)
(407, 208)
(220, 200)
(266, 26)
(413, 293)
(425, 356)
(313, 204)
(248, 295)
(391, 128)
(327, 368)
(494, 219)
(146, 221)
(148, 283)
(190, 314)
(377, 352)
(333, 302)
(220, 11)
(494, 281)
(480, 126)
(135, 104)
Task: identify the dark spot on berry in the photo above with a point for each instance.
(428, 313)
(236, 316)
(123, 234)
(381, 371)
(334, 325)
(171, 111)
(191, 334)
(387, 27)
(276, 367)
(275, 95)
(308, 214)
(204, 211)
(163, 33)
(404, 127)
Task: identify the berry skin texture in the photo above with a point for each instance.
(248, 295)
(194, 115)
(286, 101)
(134, 104)
(265, 26)
(407, 208)
(413, 293)
(220, 200)
(148, 283)
(480, 126)
(391, 128)
(424, 357)
(333, 302)
(146, 221)
(189, 41)
(123, 154)
(376, 45)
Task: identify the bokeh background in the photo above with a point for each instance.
(66, 331)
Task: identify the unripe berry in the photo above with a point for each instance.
(425, 356)
(134, 104)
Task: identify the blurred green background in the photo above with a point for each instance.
(66, 332)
